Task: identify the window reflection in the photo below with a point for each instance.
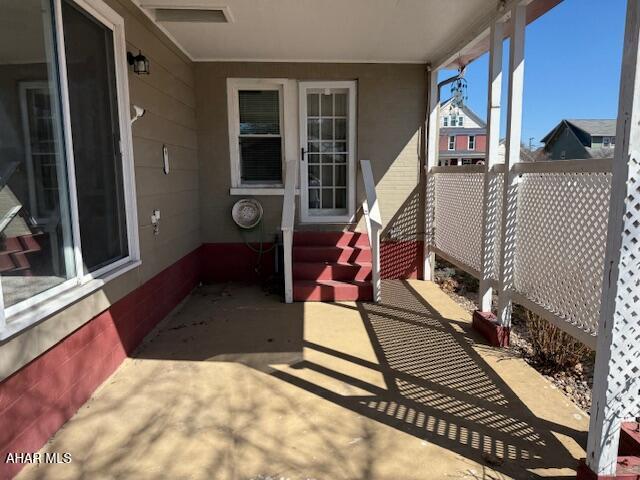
(36, 252)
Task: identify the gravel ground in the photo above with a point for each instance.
(575, 383)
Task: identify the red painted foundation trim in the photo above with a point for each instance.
(628, 469)
(401, 259)
(487, 325)
(39, 398)
(224, 262)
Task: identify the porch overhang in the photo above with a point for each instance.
(332, 31)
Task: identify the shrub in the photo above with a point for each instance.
(552, 348)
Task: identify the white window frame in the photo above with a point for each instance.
(467, 161)
(471, 142)
(454, 120)
(460, 121)
(607, 143)
(451, 145)
(288, 130)
(445, 121)
(17, 317)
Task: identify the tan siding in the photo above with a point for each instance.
(391, 106)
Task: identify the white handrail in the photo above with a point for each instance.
(371, 211)
(287, 223)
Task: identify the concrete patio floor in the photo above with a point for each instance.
(236, 385)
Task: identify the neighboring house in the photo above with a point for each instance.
(463, 136)
(574, 139)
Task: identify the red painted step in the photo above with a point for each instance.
(331, 239)
(332, 271)
(331, 290)
(330, 254)
(12, 245)
(21, 262)
(29, 244)
(6, 263)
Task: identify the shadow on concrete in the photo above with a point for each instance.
(440, 389)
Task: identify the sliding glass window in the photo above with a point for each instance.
(63, 152)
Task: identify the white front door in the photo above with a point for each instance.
(327, 156)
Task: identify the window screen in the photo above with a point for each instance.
(260, 136)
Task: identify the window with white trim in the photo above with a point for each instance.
(67, 194)
(256, 131)
(452, 142)
(460, 121)
(606, 141)
(445, 121)
(471, 143)
(467, 161)
(454, 119)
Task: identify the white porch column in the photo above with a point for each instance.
(512, 155)
(433, 147)
(491, 193)
(616, 383)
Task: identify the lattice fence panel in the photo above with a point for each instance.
(561, 230)
(458, 216)
(625, 351)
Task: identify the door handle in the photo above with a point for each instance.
(302, 152)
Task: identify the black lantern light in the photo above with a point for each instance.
(139, 62)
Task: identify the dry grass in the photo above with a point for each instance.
(552, 348)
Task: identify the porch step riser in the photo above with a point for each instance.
(331, 266)
(331, 239)
(309, 292)
(332, 254)
(321, 271)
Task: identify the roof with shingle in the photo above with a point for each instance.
(605, 127)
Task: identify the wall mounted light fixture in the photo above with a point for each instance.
(140, 63)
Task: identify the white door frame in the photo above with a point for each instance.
(349, 217)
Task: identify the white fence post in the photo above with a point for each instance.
(433, 147)
(491, 194)
(616, 383)
(512, 155)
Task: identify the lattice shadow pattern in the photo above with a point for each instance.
(439, 389)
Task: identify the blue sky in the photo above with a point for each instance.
(572, 67)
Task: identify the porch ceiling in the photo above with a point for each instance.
(329, 30)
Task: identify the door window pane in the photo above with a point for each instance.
(36, 250)
(341, 104)
(326, 102)
(96, 137)
(327, 198)
(313, 104)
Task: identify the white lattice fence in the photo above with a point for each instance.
(561, 230)
(458, 217)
